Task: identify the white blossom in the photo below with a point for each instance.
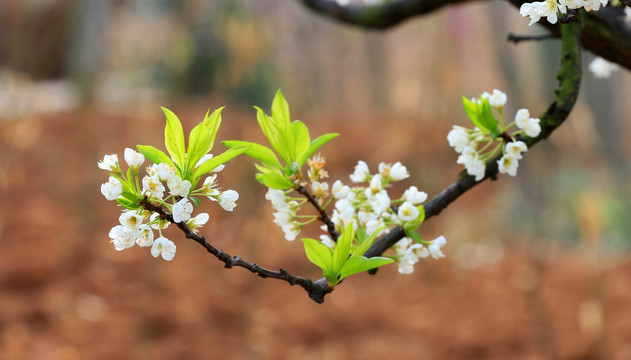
(589, 5)
(601, 68)
(408, 212)
(198, 221)
(376, 224)
(340, 191)
(361, 172)
(133, 158)
(508, 164)
(209, 187)
(165, 247)
(112, 189)
(471, 160)
(291, 230)
(380, 202)
(179, 187)
(130, 219)
(283, 217)
(165, 172)
(182, 210)
(110, 162)
(399, 172)
(375, 187)
(497, 99)
(414, 196)
(458, 138)
(434, 247)
(319, 189)
(144, 236)
(157, 223)
(122, 237)
(153, 185)
(516, 148)
(228, 199)
(530, 125)
(537, 10)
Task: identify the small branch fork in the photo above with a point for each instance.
(322, 215)
(316, 289)
(569, 83)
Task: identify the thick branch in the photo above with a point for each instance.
(605, 33)
(569, 77)
(377, 16)
(316, 290)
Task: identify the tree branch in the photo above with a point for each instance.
(322, 215)
(605, 33)
(316, 290)
(377, 16)
(569, 77)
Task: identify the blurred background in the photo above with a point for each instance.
(537, 266)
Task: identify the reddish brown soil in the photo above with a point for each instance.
(65, 293)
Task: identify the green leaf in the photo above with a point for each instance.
(473, 111)
(315, 145)
(130, 205)
(222, 158)
(280, 111)
(318, 253)
(301, 140)
(198, 142)
(174, 137)
(275, 180)
(343, 248)
(357, 264)
(366, 243)
(273, 134)
(155, 155)
(194, 200)
(212, 122)
(414, 236)
(257, 151)
(487, 118)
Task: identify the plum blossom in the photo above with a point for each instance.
(112, 189)
(153, 185)
(133, 158)
(408, 212)
(198, 221)
(182, 210)
(165, 247)
(435, 247)
(508, 164)
(144, 236)
(179, 187)
(361, 173)
(110, 163)
(122, 237)
(516, 148)
(340, 191)
(497, 99)
(472, 163)
(414, 196)
(539, 9)
(458, 138)
(228, 199)
(530, 125)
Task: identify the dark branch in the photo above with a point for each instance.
(569, 77)
(377, 16)
(322, 215)
(605, 33)
(515, 39)
(316, 290)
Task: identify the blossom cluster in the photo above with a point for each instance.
(179, 201)
(550, 9)
(476, 146)
(367, 205)
(601, 68)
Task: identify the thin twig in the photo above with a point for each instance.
(316, 290)
(515, 39)
(322, 215)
